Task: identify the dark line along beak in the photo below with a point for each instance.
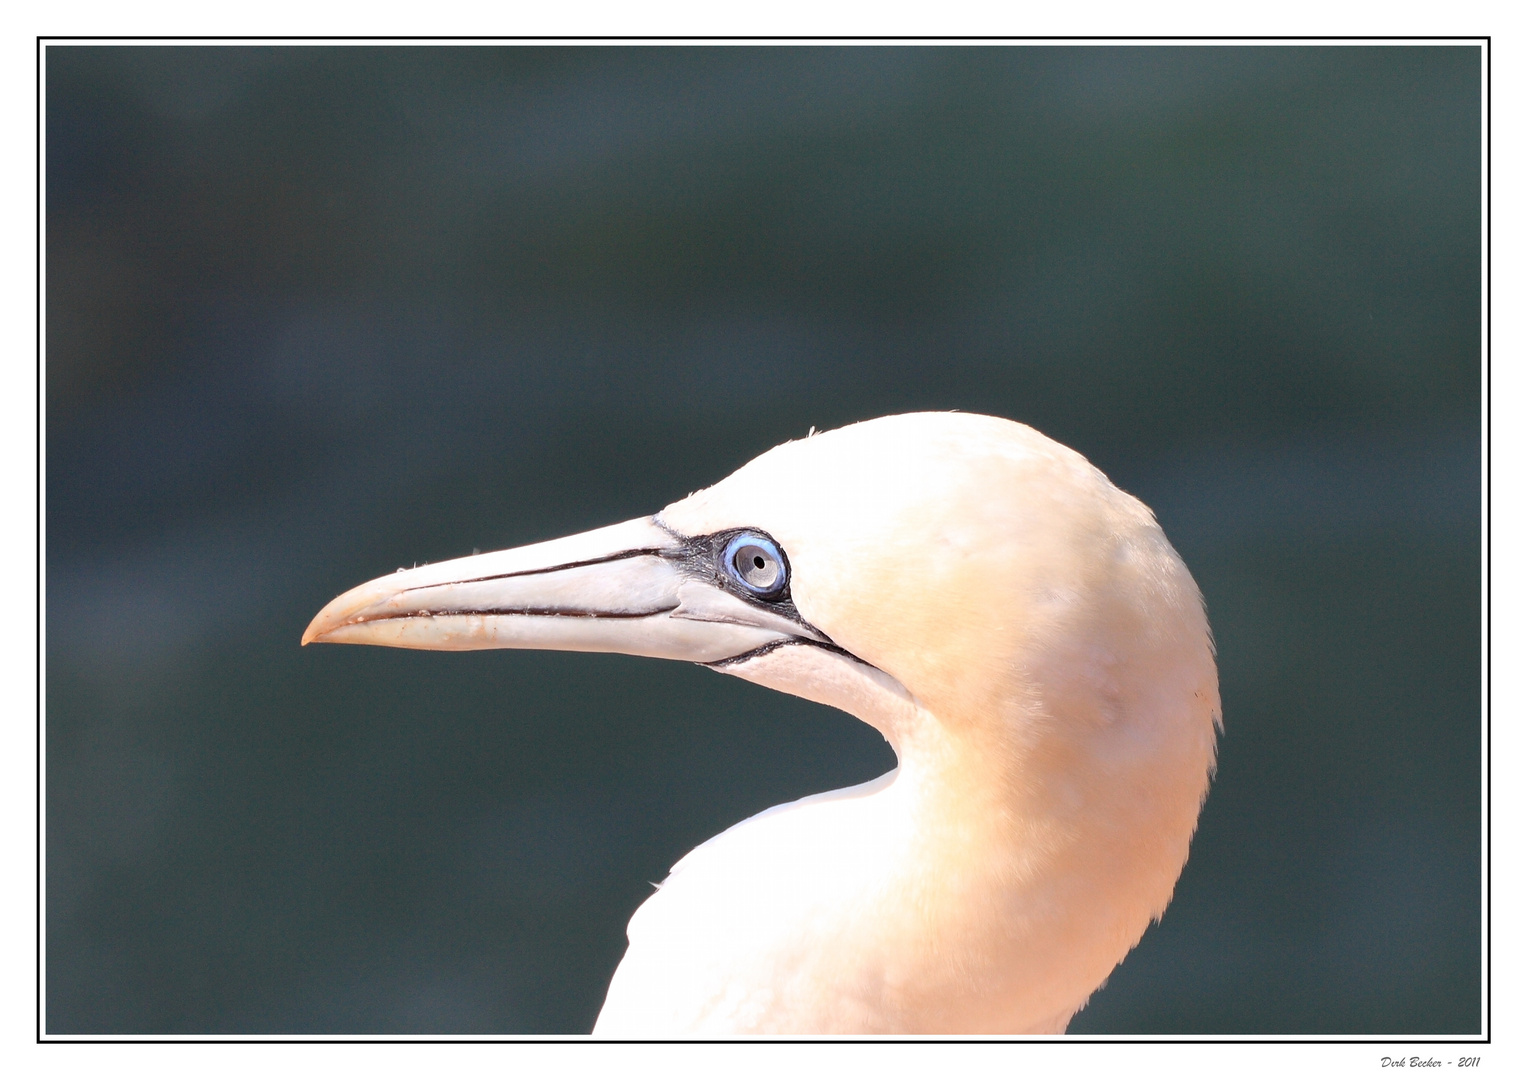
(632, 588)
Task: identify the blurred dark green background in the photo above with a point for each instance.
(315, 313)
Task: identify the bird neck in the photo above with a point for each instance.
(1028, 853)
(985, 807)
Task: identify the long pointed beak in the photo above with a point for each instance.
(630, 588)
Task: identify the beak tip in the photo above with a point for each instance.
(322, 623)
(338, 612)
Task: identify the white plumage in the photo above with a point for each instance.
(1020, 631)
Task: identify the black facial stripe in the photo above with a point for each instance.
(662, 553)
(764, 650)
(558, 612)
(700, 557)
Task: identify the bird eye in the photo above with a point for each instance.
(757, 564)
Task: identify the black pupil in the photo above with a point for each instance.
(757, 566)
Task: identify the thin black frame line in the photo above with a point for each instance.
(1487, 985)
(1486, 832)
(766, 37)
(39, 173)
(986, 1040)
(1486, 1037)
(585, 1040)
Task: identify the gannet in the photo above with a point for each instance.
(1019, 630)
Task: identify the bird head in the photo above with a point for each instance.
(926, 568)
